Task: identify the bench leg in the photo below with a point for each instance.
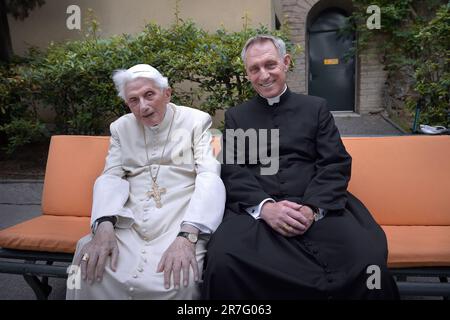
(444, 279)
(40, 287)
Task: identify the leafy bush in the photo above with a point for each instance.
(19, 124)
(416, 50)
(74, 78)
(21, 132)
(433, 69)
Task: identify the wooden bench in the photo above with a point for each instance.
(404, 181)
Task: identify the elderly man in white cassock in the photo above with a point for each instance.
(159, 198)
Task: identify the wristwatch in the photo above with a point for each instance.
(192, 237)
(317, 213)
(112, 219)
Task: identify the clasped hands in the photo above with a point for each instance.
(287, 218)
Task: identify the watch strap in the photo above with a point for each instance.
(112, 219)
(188, 236)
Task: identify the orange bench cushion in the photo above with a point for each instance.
(73, 164)
(402, 180)
(46, 233)
(418, 246)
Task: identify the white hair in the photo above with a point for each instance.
(121, 77)
(277, 42)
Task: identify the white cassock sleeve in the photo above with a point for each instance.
(207, 203)
(111, 191)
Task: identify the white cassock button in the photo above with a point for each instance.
(135, 276)
(145, 219)
(130, 298)
(143, 251)
(144, 230)
(140, 269)
(131, 289)
(145, 260)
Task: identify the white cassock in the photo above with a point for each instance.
(194, 194)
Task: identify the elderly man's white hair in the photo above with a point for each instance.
(277, 42)
(122, 77)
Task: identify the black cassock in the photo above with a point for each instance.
(247, 259)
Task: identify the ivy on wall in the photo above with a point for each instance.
(415, 50)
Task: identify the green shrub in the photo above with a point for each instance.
(21, 132)
(19, 124)
(74, 78)
(416, 45)
(433, 69)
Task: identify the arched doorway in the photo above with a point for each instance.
(331, 69)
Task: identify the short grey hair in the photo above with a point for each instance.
(277, 42)
(122, 76)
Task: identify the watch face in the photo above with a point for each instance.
(192, 237)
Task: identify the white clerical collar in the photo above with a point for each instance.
(273, 100)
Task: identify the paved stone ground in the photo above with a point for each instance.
(20, 201)
(366, 125)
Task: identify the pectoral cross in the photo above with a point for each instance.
(156, 194)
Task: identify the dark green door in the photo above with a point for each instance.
(331, 70)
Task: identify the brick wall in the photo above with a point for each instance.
(295, 13)
(371, 82)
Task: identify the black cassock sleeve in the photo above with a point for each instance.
(328, 187)
(242, 188)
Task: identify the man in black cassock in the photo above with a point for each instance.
(296, 233)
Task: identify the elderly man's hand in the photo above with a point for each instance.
(287, 218)
(102, 245)
(178, 257)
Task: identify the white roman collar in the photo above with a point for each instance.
(273, 100)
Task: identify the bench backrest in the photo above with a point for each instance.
(402, 180)
(73, 164)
